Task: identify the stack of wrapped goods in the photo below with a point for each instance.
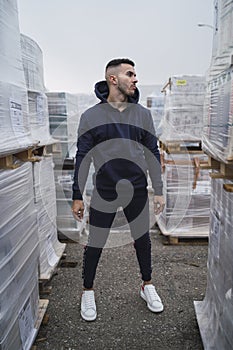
(51, 249)
(64, 114)
(155, 103)
(222, 47)
(183, 108)
(67, 226)
(14, 120)
(214, 313)
(187, 196)
(186, 185)
(218, 117)
(218, 120)
(32, 58)
(19, 296)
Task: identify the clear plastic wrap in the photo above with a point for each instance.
(64, 117)
(222, 47)
(13, 296)
(224, 18)
(218, 117)
(155, 103)
(18, 253)
(67, 225)
(39, 117)
(214, 313)
(14, 120)
(32, 58)
(45, 201)
(183, 108)
(187, 196)
(64, 114)
(65, 110)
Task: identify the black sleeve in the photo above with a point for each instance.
(83, 158)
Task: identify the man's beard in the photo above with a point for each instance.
(124, 91)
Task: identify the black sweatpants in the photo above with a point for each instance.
(137, 214)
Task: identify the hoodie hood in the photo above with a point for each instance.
(102, 92)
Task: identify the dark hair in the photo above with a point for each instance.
(118, 61)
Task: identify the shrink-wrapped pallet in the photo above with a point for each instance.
(218, 117)
(14, 120)
(64, 117)
(222, 48)
(39, 117)
(32, 58)
(67, 226)
(183, 109)
(214, 313)
(187, 196)
(19, 257)
(155, 103)
(65, 110)
(51, 249)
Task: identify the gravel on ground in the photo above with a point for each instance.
(124, 322)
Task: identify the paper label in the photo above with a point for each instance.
(180, 82)
(16, 117)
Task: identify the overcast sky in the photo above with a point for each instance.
(78, 38)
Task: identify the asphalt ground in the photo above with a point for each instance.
(124, 322)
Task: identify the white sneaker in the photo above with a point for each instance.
(88, 306)
(149, 294)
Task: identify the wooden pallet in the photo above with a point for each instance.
(228, 187)
(190, 237)
(42, 318)
(11, 161)
(185, 240)
(181, 147)
(31, 154)
(44, 288)
(8, 162)
(43, 305)
(220, 170)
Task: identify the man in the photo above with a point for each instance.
(118, 136)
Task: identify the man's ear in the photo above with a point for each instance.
(113, 79)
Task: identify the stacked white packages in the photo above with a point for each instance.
(214, 313)
(218, 118)
(64, 115)
(183, 108)
(67, 226)
(222, 37)
(155, 103)
(39, 117)
(14, 120)
(19, 254)
(32, 58)
(187, 196)
(51, 249)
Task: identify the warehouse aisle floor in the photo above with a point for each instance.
(124, 322)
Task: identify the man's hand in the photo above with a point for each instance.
(78, 209)
(159, 204)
